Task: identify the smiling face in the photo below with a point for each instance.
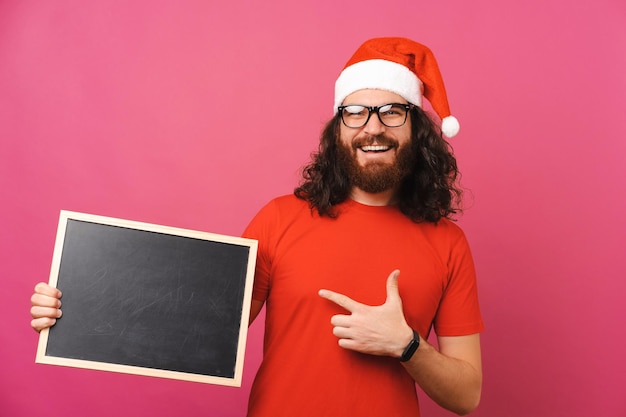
(375, 156)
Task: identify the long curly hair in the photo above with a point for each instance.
(428, 193)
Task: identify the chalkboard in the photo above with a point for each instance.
(150, 300)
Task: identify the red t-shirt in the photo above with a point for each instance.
(304, 372)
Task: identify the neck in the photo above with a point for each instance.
(384, 198)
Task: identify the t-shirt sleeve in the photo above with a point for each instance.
(459, 310)
(259, 229)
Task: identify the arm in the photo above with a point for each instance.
(452, 376)
(255, 309)
(46, 305)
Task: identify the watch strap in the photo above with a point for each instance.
(411, 347)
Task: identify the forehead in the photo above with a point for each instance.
(372, 97)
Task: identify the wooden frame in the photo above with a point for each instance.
(150, 300)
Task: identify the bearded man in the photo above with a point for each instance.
(375, 200)
(345, 334)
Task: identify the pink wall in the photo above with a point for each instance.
(125, 109)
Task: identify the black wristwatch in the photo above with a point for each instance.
(411, 347)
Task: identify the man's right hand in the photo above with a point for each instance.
(46, 305)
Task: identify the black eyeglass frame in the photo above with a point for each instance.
(374, 109)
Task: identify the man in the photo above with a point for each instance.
(362, 261)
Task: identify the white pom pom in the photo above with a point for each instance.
(450, 126)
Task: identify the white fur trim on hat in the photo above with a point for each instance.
(378, 74)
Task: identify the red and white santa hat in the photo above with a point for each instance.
(403, 67)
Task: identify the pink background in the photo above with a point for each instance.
(194, 114)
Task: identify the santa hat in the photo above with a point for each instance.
(403, 67)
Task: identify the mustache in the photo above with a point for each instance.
(368, 140)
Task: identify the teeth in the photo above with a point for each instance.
(374, 148)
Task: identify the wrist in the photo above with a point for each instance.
(410, 348)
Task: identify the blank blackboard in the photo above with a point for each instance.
(150, 300)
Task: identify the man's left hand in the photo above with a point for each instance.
(376, 330)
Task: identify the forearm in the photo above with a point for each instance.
(453, 383)
(451, 376)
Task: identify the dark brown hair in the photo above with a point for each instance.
(428, 193)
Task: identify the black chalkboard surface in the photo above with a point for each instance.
(150, 300)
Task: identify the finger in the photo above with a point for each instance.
(37, 312)
(45, 301)
(42, 323)
(45, 289)
(340, 299)
(349, 344)
(393, 293)
(340, 320)
(342, 332)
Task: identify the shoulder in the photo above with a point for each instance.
(446, 236)
(285, 204)
(444, 228)
(276, 212)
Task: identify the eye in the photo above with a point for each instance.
(393, 110)
(386, 108)
(355, 110)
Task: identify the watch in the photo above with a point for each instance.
(411, 347)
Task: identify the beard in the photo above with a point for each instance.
(375, 177)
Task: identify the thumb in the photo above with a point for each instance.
(393, 293)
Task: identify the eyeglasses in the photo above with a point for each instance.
(391, 115)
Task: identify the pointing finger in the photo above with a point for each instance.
(340, 299)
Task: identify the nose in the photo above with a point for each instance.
(374, 126)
